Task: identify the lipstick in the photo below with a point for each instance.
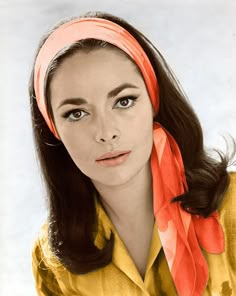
(113, 158)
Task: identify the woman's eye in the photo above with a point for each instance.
(126, 102)
(74, 115)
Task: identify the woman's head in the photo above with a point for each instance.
(60, 159)
(159, 71)
(93, 68)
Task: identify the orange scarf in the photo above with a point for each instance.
(181, 234)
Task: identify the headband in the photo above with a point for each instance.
(181, 234)
(96, 28)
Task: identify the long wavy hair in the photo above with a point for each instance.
(72, 219)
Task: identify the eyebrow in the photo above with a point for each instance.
(112, 93)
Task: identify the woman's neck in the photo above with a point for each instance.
(130, 203)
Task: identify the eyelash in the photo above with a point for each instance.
(71, 112)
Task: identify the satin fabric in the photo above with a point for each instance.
(181, 234)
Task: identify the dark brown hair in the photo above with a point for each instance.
(70, 194)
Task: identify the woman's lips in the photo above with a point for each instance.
(111, 154)
(113, 159)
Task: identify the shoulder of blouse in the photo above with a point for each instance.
(227, 214)
(46, 282)
(222, 272)
(42, 246)
(227, 209)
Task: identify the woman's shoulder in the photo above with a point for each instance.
(227, 214)
(222, 266)
(227, 210)
(41, 240)
(45, 266)
(41, 251)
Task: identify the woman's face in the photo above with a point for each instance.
(100, 104)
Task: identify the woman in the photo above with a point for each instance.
(136, 206)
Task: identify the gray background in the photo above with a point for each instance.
(197, 38)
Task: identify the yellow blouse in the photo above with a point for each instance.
(121, 276)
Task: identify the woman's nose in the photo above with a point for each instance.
(108, 139)
(106, 130)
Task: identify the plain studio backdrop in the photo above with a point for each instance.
(198, 40)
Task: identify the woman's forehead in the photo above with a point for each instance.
(96, 68)
(98, 56)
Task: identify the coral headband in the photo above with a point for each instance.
(85, 28)
(181, 234)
